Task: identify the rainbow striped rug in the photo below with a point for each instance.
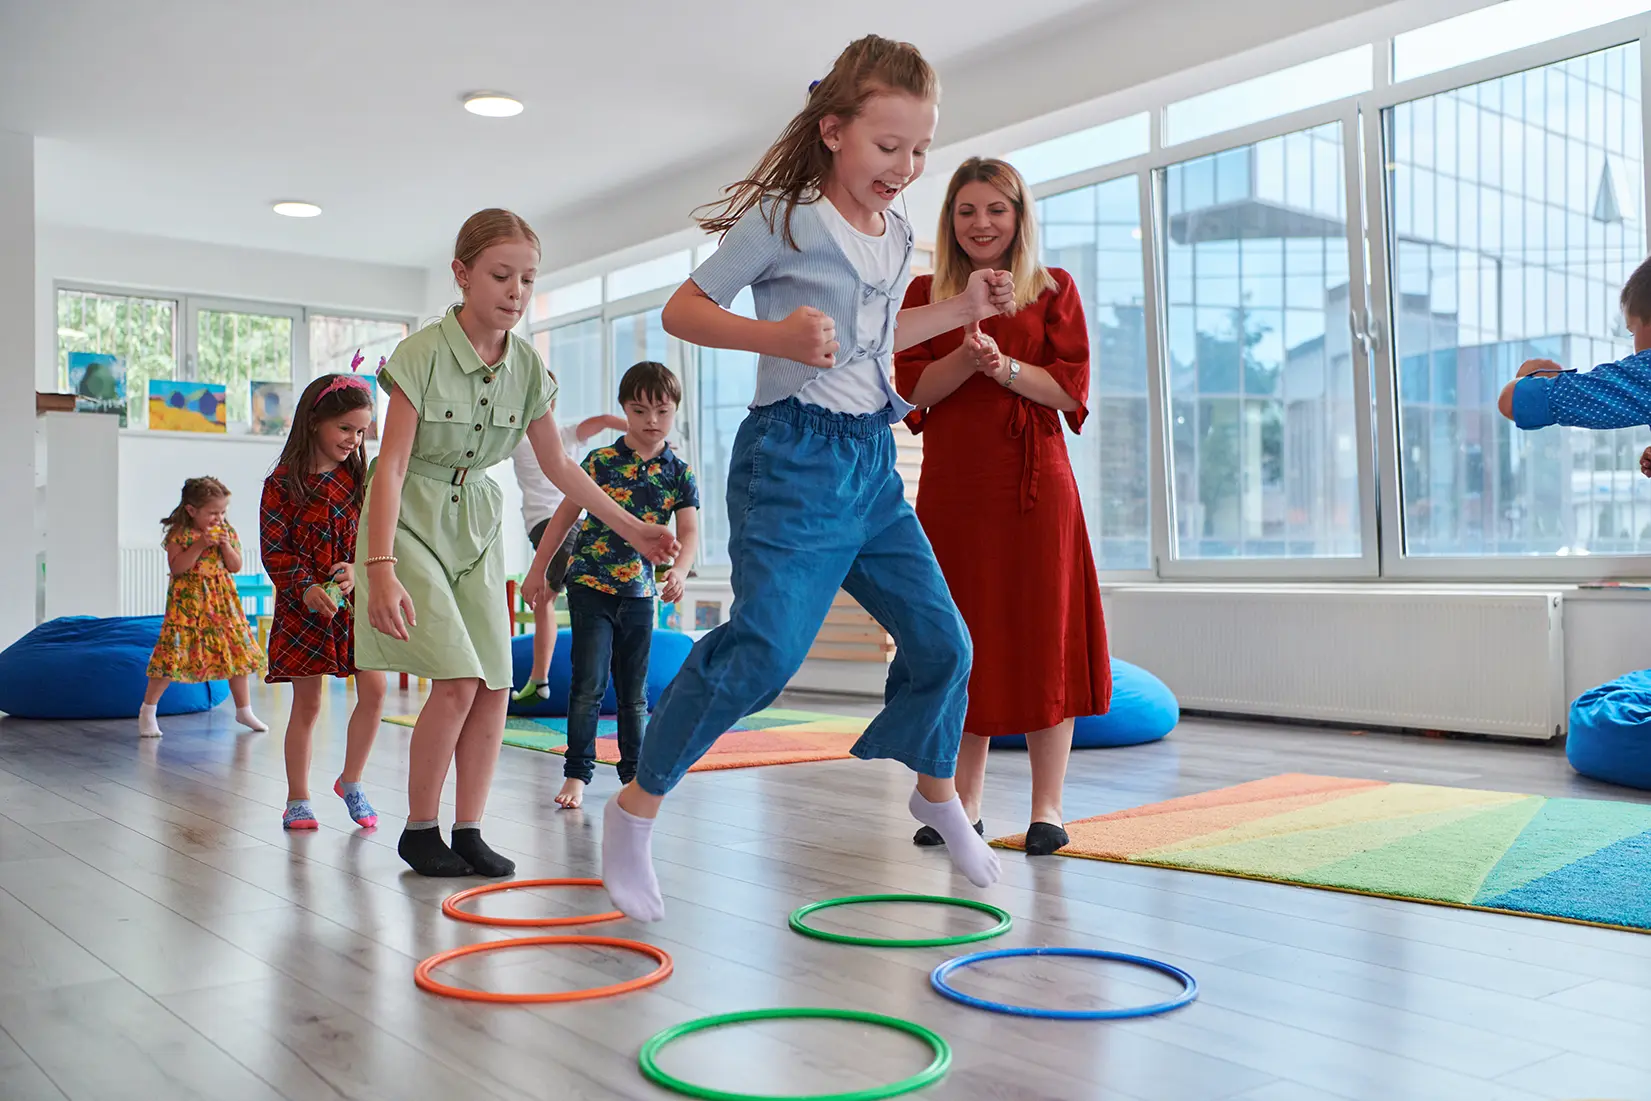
(1579, 860)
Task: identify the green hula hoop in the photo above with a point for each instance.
(1002, 926)
(930, 1074)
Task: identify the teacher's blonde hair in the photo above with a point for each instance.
(952, 265)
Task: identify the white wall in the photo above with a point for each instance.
(17, 438)
(98, 257)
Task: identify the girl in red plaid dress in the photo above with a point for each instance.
(311, 506)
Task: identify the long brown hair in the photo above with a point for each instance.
(325, 399)
(197, 493)
(798, 163)
(952, 265)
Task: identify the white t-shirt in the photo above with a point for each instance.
(540, 497)
(853, 386)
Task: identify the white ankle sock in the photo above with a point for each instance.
(627, 863)
(246, 718)
(148, 725)
(968, 850)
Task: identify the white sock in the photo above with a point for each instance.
(246, 718)
(627, 863)
(148, 725)
(968, 850)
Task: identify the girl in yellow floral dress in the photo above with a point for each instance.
(205, 636)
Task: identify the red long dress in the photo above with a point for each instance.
(301, 543)
(999, 502)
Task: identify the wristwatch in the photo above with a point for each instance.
(1014, 372)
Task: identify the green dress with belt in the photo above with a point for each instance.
(471, 415)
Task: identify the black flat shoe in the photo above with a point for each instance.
(929, 837)
(1043, 838)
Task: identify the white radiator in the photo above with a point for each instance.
(1478, 662)
(144, 579)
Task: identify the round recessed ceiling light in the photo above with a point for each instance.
(492, 105)
(294, 209)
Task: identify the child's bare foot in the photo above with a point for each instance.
(572, 795)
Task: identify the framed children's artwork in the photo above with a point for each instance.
(707, 614)
(98, 381)
(272, 405)
(187, 406)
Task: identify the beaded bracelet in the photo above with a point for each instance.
(383, 558)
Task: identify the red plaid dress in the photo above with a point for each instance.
(301, 543)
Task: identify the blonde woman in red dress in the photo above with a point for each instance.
(997, 496)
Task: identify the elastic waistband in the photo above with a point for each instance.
(812, 418)
(452, 475)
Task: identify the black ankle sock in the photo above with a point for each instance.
(928, 836)
(468, 843)
(427, 854)
(1043, 838)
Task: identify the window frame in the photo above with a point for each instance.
(1382, 557)
(186, 337)
(1396, 565)
(1140, 168)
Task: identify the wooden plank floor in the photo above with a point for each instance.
(162, 938)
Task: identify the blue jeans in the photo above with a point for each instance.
(815, 505)
(608, 631)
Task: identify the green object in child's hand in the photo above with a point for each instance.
(334, 593)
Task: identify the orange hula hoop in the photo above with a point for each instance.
(421, 974)
(450, 906)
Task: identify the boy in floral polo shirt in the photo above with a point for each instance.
(610, 587)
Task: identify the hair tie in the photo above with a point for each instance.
(813, 85)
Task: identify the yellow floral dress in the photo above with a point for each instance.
(205, 635)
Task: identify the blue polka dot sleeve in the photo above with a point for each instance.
(1612, 395)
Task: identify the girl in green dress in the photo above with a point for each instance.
(462, 394)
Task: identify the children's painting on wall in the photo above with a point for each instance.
(187, 406)
(272, 404)
(99, 383)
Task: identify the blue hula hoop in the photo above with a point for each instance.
(1189, 991)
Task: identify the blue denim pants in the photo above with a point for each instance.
(609, 632)
(815, 505)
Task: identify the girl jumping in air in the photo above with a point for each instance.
(814, 501)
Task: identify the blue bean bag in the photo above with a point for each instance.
(1610, 732)
(1143, 710)
(665, 658)
(82, 667)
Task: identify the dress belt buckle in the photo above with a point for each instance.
(460, 473)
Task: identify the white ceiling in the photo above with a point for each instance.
(187, 118)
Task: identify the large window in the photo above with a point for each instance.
(334, 342)
(1095, 234)
(1264, 461)
(142, 331)
(1305, 289)
(574, 355)
(234, 344)
(1516, 214)
(237, 348)
(727, 381)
